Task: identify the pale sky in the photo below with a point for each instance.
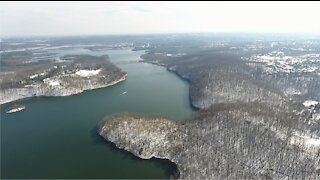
(76, 18)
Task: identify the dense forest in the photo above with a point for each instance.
(258, 102)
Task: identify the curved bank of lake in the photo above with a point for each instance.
(55, 137)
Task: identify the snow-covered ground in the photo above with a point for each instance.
(310, 103)
(277, 61)
(88, 73)
(51, 82)
(37, 75)
(34, 76)
(309, 142)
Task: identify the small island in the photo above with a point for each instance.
(16, 108)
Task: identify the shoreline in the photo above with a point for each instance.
(123, 78)
(176, 174)
(104, 127)
(187, 80)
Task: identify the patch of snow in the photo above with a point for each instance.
(277, 61)
(44, 44)
(313, 142)
(51, 82)
(31, 85)
(57, 47)
(14, 50)
(34, 76)
(88, 73)
(8, 72)
(292, 91)
(307, 141)
(38, 41)
(58, 59)
(15, 44)
(316, 116)
(309, 103)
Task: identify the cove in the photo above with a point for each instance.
(55, 137)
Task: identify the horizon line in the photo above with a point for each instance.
(157, 33)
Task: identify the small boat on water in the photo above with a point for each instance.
(125, 92)
(16, 108)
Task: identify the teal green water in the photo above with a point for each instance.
(55, 137)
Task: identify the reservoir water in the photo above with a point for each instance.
(55, 137)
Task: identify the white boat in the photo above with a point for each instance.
(125, 92)
(16, 108)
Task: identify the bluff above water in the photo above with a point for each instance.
(236, 141)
